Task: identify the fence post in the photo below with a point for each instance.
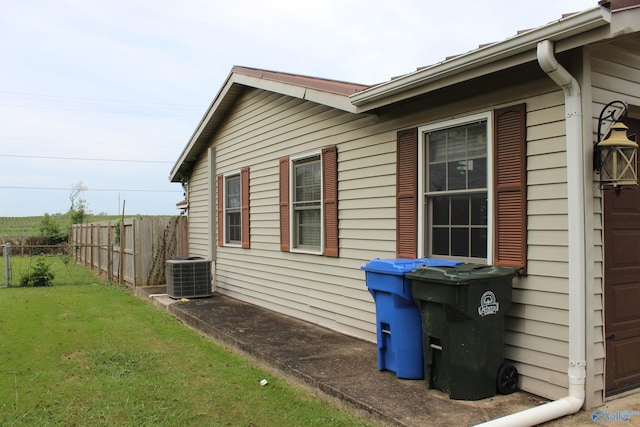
(99, 248)
(74, 233)
(123, 240)
(87, 248)
(110, 262)
(91, 247)
(7, 265)
(135, 252)
(83, 250)
(109, 252)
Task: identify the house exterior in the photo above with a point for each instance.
(294, 183)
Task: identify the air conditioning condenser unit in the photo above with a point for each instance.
(188, 277)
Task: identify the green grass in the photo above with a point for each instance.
(96, 355)
(66, 271)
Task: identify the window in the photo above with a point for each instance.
(469, 194)
(455, 196)
(232, 209)
(306, 203)
(309, 203)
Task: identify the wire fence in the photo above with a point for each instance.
(43, 265)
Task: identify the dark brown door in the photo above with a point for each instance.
(622, 284)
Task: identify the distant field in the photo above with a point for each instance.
(19, 226)
(24, 226)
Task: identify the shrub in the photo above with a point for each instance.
(49, 227)
(38, 275)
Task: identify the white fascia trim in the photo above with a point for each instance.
(558, 30)
(202, 125)
(341, 102)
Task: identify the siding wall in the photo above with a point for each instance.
(199, 229)
(264, 126)
(537, 330)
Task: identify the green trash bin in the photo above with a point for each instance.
(462, 311)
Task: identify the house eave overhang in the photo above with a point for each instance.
(593, 24)
(238, 80)
(182, 167)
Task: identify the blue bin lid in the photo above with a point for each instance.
(400, 266)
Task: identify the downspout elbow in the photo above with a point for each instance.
(550, 65)
(550, 411)
(577, 376)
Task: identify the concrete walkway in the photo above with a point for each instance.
(344, 368)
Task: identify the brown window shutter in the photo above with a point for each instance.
(244, 185)
(510, 181)
(407, 194)
(220, 208)
(284, 204)
(330, 200)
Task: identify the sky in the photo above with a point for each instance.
(106, 94)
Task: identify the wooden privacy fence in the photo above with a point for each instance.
(131, 251)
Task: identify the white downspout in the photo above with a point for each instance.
(577, 255)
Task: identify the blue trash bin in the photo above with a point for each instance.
(398, 318)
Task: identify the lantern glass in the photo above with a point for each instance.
(618, 166)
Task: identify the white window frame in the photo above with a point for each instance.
(225, 239)
(293, 232)
(423, 223)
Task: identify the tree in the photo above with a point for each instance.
(76, 191)
(78, 210)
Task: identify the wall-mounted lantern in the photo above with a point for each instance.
(614, 158)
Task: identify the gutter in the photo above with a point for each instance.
(558, 30)
(577, 254)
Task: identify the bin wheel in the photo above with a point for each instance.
(508, 378)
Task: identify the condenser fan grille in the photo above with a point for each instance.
(188, 278)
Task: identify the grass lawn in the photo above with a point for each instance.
(96, 355)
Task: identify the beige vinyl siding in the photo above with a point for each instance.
(199, 233)
(615, 75)
(536, 333)
(329, 291)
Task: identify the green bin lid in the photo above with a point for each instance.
(461, 274)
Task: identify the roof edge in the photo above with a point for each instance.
(332, 93)
(338, 87)
(178, 166)
(558, 30)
